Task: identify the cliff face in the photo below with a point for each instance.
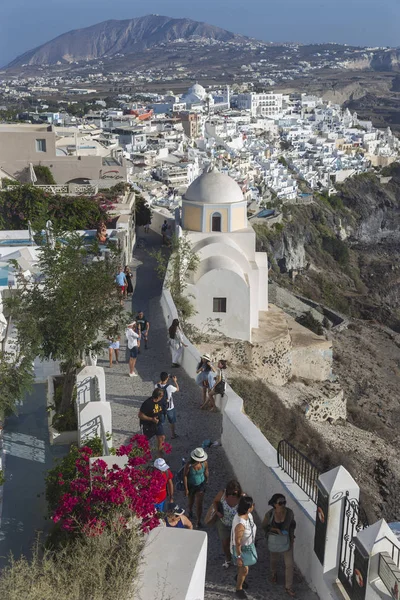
(347, 248)
(119, 37)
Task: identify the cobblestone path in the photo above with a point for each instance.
(126, 395)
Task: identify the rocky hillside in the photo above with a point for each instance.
(345, 249)
(119, 37)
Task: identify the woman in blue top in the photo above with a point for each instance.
(195, 479)
(175, 517)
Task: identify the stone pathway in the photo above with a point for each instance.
(126, 395)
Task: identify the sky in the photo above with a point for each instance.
(26, 24)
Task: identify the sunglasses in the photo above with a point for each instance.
(281, 502)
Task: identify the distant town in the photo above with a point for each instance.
(280, 148)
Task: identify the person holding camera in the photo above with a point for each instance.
(150, 415)
(168, 390)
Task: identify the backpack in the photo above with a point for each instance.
(178, 479)
(164, 401)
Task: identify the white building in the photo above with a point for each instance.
(231, 282)
(261, 105)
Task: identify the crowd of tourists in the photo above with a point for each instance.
(231, 511)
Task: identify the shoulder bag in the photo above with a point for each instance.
(278, 542)
(211, 516)
(248, 553)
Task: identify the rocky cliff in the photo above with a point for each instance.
(344, 251)
(119, 37)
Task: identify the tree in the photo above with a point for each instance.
(142, 211)
(59, 316)
(25, 203)
(16, 378)
(182, 262)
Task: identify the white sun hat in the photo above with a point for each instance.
(199, 455)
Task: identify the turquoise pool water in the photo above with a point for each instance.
(17, 242)
(4, 276)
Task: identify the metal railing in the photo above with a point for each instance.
(303, 472)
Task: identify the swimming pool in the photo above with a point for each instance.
(16, 242)
(4, 276)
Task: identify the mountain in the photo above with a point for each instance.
(120, 37)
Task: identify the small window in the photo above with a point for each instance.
(40, 145)
(219, 305)
(216, 222)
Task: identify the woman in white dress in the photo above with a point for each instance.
(176, 342)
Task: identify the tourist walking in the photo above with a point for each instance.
(168, 488)
(122, 283)
(143, 327)
(202, 375)
(176, 342)
(150, 416)
(216, 385)
(128, 277)
(175, 517)
(133, 346)
(279, 526)
(113, 348)
(164, 228)
(243, 536)
(168, 390)
(195, 479)
(225, 505)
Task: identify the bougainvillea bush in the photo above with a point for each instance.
(99, 498)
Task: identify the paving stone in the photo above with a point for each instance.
(126, 395)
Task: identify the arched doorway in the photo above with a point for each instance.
(216, 222)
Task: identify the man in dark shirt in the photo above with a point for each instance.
(151, 418)
(143, 326)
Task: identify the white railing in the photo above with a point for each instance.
(71, 189)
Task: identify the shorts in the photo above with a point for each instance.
(151, 429)
(122, 288)
(224, 532)
(133, 352)
(114, 345)
(171, 416)
(197, 489)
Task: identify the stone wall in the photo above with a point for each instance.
(324, 409)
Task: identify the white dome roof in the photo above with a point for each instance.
(197, 90)
(213, 187)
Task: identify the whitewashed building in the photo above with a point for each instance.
(231, 282)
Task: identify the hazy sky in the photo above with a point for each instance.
(25, 24)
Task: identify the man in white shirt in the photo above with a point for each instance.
(133, 345)
(168, 400)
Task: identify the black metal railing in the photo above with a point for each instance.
(299, 468)
(354, 520)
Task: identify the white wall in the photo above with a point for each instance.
(158, 218)
(223, 283)
(174, 565)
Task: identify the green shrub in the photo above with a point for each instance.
(310, 322)
(44, 175)
(336, 248)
